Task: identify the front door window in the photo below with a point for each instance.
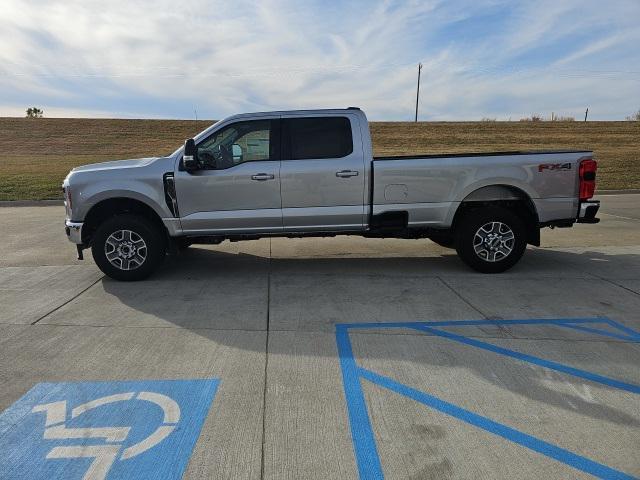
(235, 144)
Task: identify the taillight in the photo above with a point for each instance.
(588, 169)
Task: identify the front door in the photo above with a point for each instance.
(238, 187)
(323, 175)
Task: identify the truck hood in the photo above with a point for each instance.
(116, 165)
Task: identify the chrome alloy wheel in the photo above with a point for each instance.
(493, 241)
(125, 250)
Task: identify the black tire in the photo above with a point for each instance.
(152, 250)
(183, 243)
(467, 241)
(445, 240)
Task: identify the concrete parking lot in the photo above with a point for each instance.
(329, 358)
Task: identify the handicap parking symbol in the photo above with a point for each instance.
(104, 430)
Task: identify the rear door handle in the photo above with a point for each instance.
(261, 177)
(347, 173)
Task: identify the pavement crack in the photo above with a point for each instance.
(266, 365)
(619, 216)
(324, 332)
(67, 302)
(630, 290)
(457, 294)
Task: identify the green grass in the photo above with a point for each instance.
(38, 153)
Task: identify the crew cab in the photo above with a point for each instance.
(313, 173)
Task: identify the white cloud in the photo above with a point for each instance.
(165, 58)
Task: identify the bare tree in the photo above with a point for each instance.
(34, 112)
(635, 117)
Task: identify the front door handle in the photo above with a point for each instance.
(261, 177)
(347, 173)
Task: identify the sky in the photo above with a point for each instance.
(502, 59)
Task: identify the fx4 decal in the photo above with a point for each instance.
(554, 166)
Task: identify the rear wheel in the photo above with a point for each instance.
(491, 240)
(128, 247)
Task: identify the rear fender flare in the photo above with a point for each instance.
(508, 195)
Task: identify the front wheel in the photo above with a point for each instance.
(183, 243)
(491, 240)
(128, 247)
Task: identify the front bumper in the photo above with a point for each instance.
(588, 211)
(73, 231)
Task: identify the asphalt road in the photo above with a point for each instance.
(322, 359)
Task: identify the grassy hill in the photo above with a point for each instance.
(36, 154)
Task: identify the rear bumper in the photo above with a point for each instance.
(73, 231)
(588, 211)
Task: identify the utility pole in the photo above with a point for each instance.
(418, 90)
(586, 113)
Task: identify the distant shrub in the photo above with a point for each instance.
(487, 119)
(554, 118)
(532, 118)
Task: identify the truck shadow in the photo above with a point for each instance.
(300, 300)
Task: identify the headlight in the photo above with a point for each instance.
(67, 198)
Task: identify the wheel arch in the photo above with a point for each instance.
(110, 207)
(507, 196)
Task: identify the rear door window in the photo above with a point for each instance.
(317, 138)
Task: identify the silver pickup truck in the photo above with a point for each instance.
(313, 173)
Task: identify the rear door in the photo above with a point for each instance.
(322, 173)
(238, 190)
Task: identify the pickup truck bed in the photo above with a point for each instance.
(431, 187)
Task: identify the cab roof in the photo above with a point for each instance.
(294, 112)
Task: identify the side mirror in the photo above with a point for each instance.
(190, 156)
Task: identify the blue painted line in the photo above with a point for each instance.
(464, 323)
(594, 377)
(362, 434)
(364, 444)
(540, 446)
(598, 331)
(629, 331)
(575, 323)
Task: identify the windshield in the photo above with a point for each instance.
(196, 138)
